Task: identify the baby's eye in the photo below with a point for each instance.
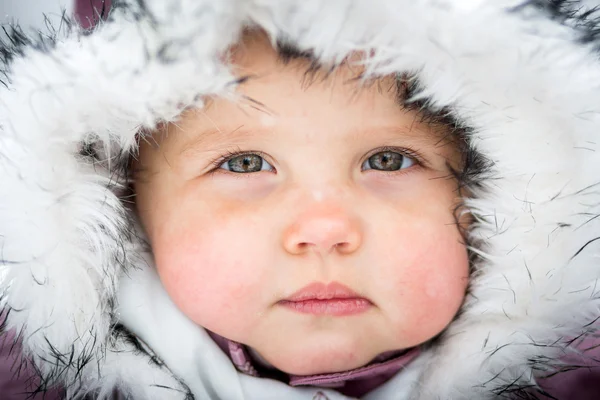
(246, 163)
(388, 161)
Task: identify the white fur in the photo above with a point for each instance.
(522, 81)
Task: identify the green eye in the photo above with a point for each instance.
(387, 161)
(246, 164)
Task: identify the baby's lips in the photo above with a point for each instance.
(323, 291)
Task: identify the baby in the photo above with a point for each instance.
(313, 222)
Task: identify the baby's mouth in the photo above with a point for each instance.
(333, 299)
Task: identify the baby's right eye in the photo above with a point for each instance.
(246, 163)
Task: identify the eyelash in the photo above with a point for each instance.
(405, 151)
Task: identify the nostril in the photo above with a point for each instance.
(342, 247)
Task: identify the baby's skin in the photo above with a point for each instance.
(313, 223)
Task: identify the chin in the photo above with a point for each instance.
(303, 361)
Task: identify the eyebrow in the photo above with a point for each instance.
(195, 145)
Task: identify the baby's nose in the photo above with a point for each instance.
(323, 233)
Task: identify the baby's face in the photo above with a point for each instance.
(332, 184)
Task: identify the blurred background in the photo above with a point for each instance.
(30, 13)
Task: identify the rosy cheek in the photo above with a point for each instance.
(205, 277)
(434, 284)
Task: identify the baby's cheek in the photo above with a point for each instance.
(440, 296)
(434, 288)
(207, 279)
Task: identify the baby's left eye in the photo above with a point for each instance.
(388, 161)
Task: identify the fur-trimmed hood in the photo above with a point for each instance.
(522, 77)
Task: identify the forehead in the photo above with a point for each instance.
(288, 87)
